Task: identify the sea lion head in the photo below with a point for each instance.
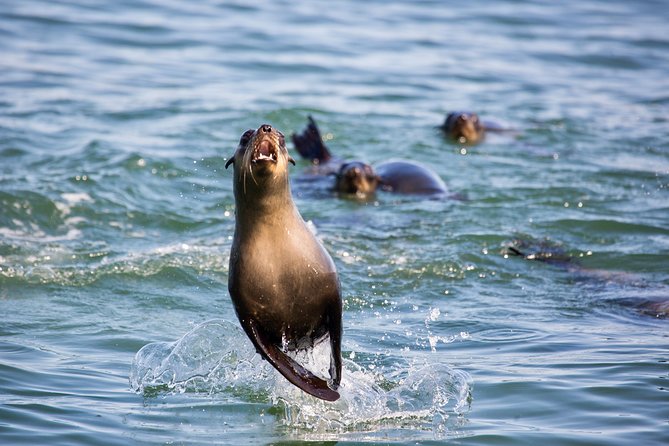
(356, 178)
(261, 156)
(463, 127)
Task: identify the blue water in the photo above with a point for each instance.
(116, 217)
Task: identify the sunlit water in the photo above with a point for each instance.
(116, 217)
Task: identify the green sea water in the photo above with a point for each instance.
(117, 214)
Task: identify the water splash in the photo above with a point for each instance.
(208, 358)
(421, 395)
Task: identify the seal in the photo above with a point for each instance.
(554, 254)
(466, 127)
(283, 283)
(361, 179)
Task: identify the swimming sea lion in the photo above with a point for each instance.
(282, 282)
(553, 253)
(467, 128)
(463, 127)
(361, 179)
(356, 177)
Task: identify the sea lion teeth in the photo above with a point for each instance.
(264, 151)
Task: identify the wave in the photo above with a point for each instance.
(66, 267)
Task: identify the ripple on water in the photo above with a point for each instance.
(505, 334)
(215, 358)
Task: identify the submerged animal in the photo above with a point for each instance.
(360, 178)
(283, 283)
(553, 253)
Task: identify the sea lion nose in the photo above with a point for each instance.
(266, 128)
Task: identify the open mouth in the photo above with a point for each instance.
(264, 151)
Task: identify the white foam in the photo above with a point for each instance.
(76, 197)
(216, 356)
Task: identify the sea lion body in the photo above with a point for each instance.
(362, 179)
(409, 177)
(282, 282)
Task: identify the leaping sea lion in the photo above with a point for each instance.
(282, 282)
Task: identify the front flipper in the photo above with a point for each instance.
(288, 367)
(310, 145)
(335, 332)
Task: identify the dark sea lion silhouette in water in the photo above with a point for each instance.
(361, 179)
(282, 282)
(552, 253)
(467, 128)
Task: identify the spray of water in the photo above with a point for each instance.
(216, 357)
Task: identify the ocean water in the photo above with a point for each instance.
(116, 218)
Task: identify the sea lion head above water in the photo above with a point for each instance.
(261, 156)
(464, 127)
(356, 178)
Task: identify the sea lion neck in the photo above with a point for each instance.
(260, 207)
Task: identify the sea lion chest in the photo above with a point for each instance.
(282, 277)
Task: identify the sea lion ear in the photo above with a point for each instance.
(291, 160)
(230, 161)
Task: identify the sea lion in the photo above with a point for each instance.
(552, 253)
(356, 177)
(467, 128)
(361, 179)
(283, 283)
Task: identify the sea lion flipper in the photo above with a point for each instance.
(515, 251)
(309, 143)
(289, 368)
(335, 332)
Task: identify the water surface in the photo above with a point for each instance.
(116, 217)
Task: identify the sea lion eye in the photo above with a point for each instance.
(282, 140)
(246, 137)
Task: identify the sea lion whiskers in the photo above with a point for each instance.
(252, 177)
